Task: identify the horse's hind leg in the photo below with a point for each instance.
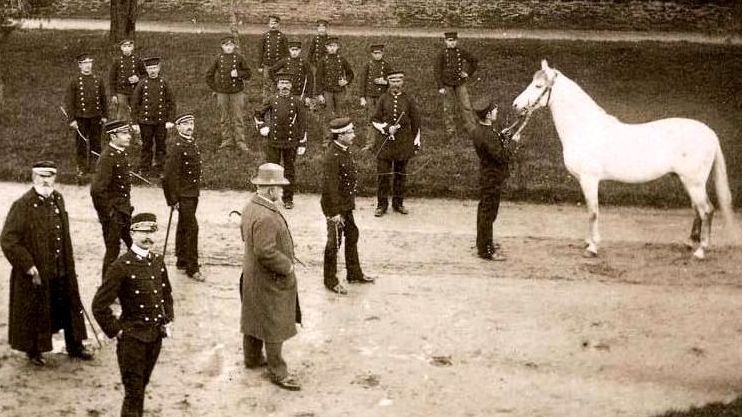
(590, 192)
(704, 209)
(695, 232)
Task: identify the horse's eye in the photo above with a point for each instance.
(539, 86)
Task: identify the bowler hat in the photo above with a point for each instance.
(270, 174)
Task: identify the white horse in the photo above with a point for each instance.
(598, 146)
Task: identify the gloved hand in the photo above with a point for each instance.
(301, 150)
(133, 79)
(169, 125)
(363, 101)
(264, 131)
(321, 99)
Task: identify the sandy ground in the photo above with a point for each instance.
(638, 331)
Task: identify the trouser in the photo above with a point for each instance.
(336, 105)
(115, 229)
(371, 132)
(286, 157)
(268, 86)
(90, 127)
(61, 318)
(489, 204)
(136, 361)
(457, 96)
(231, 120)
(252, 348)
(335, 234)
(391, 177)
(153, 136)
(123, 108)
(186, 235)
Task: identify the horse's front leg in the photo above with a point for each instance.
(590, 192)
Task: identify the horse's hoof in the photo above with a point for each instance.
(587, 253)
(690, 244)
(699, 254)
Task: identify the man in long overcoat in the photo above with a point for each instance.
(44, 295)
(270, 304)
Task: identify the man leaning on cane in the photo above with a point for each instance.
(44, 295)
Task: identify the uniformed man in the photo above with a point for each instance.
(302, 84)
(153, 111)
(398, 120)
(111, 190)
(227, 77)
(140, 281)
(44, 295)
(286, 133)
(494, 149)
(126, 71)
(339, 188)
(373, 84)
(454, 67)
(272, 48)
(317, 48)
(181, 182)
(270, 301)
(334, 74)
(87, 107)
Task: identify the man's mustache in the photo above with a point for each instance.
(149, 241)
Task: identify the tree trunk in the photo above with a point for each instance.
(123, 20)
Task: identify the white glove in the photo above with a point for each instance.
(114, 100)
(321, 99)
(343, 82)
(417, 141)
(133, 79)
(233, 73)
(363, 101)
(442, 91)
(169, 125)
(300, 150)
(73, 124)
(264, 131)
(307, 101)
(135, 127)
(393, 129)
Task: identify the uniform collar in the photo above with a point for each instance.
(342, 147)
(188, 139)
(115, 147)
(139, 252)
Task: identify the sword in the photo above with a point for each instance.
(167, 233)
(132, 173)
(95, 332)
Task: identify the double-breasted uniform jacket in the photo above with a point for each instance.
(270, 303)
(286, 117)
(182, 174)
(272, 48)
(317, 49)
(494, 150)
(449, 65)
(331, 69)
(111, 184)
(122, 68)
(219, 76)
(153, 102)
(388, 110)
(36, 233)
(86, 97)
(371, 71)
(302, 83)
(339, 182)
(142, 286)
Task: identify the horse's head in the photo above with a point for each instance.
(538, 92)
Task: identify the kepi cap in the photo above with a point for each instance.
(322, 22)
(270, 174)
(275, 17)
(294, 44)
(84, 57)
(395, 75)
(483, 105)
(284, 75)
(184, 117)
(151, 61)
(44, 168)
(451, 35)
(127, 40)
(144, 222)
(228, 39)
(377, 47)
(341, 125)
(332, 39)
(114, 126)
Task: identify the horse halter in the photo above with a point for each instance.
(545, 91)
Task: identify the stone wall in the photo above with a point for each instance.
(689, 15)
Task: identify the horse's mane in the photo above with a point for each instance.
(587, 103)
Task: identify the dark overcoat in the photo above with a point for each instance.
(391, 109)
(26, 242)
(270, 303)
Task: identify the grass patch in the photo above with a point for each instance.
(731, 409)
(635, 81)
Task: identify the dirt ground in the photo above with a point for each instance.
(636, 332)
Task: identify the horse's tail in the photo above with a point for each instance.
(723, 193)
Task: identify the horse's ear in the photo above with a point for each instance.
(544, 64)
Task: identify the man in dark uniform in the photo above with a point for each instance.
(153, 111)
(302, 84)
(271, 49)
(286, 134)
(398, 120)
(111, 190)
(454, 67)
(494, 149)
(140, 281)
(87, 107)
(339, 188)
(126, 71)
(317, 48)
(334, 74)
(373, 84)
(181, 182)
(44, 295)
(227, 77)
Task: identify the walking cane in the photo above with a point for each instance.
(167, 233)
(95, 332)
